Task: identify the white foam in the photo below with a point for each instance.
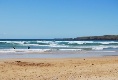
(71, 49)
(22, 50)
(30, 45)
(77, 42)
(108, 42)
(33, 50)
(98, 48)
(85, 42)
(56, 45)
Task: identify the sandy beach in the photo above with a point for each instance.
(102, 68)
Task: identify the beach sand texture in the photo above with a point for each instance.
(104, 68)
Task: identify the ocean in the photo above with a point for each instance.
(53, 44)
(51, 48)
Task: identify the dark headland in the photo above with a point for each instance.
(104, 37)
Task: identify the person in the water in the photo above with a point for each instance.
(14, 47)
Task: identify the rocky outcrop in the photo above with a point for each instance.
(105, 37)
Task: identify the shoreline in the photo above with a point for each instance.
(100, 68)
(57, 54)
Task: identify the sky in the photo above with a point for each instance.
(41, 19)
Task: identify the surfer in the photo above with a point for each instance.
(14, 47)
(28, 47)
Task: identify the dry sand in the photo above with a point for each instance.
(105, 68)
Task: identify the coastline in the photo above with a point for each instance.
(96, 68)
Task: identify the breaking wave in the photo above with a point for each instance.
(36, 44)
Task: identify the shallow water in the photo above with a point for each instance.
(59, 54)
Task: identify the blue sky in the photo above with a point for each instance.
(57, 18)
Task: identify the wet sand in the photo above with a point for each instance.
(104, 68)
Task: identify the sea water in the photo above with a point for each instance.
(56, 46)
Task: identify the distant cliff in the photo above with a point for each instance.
(104, 37)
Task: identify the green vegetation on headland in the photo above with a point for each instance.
(104, 37)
